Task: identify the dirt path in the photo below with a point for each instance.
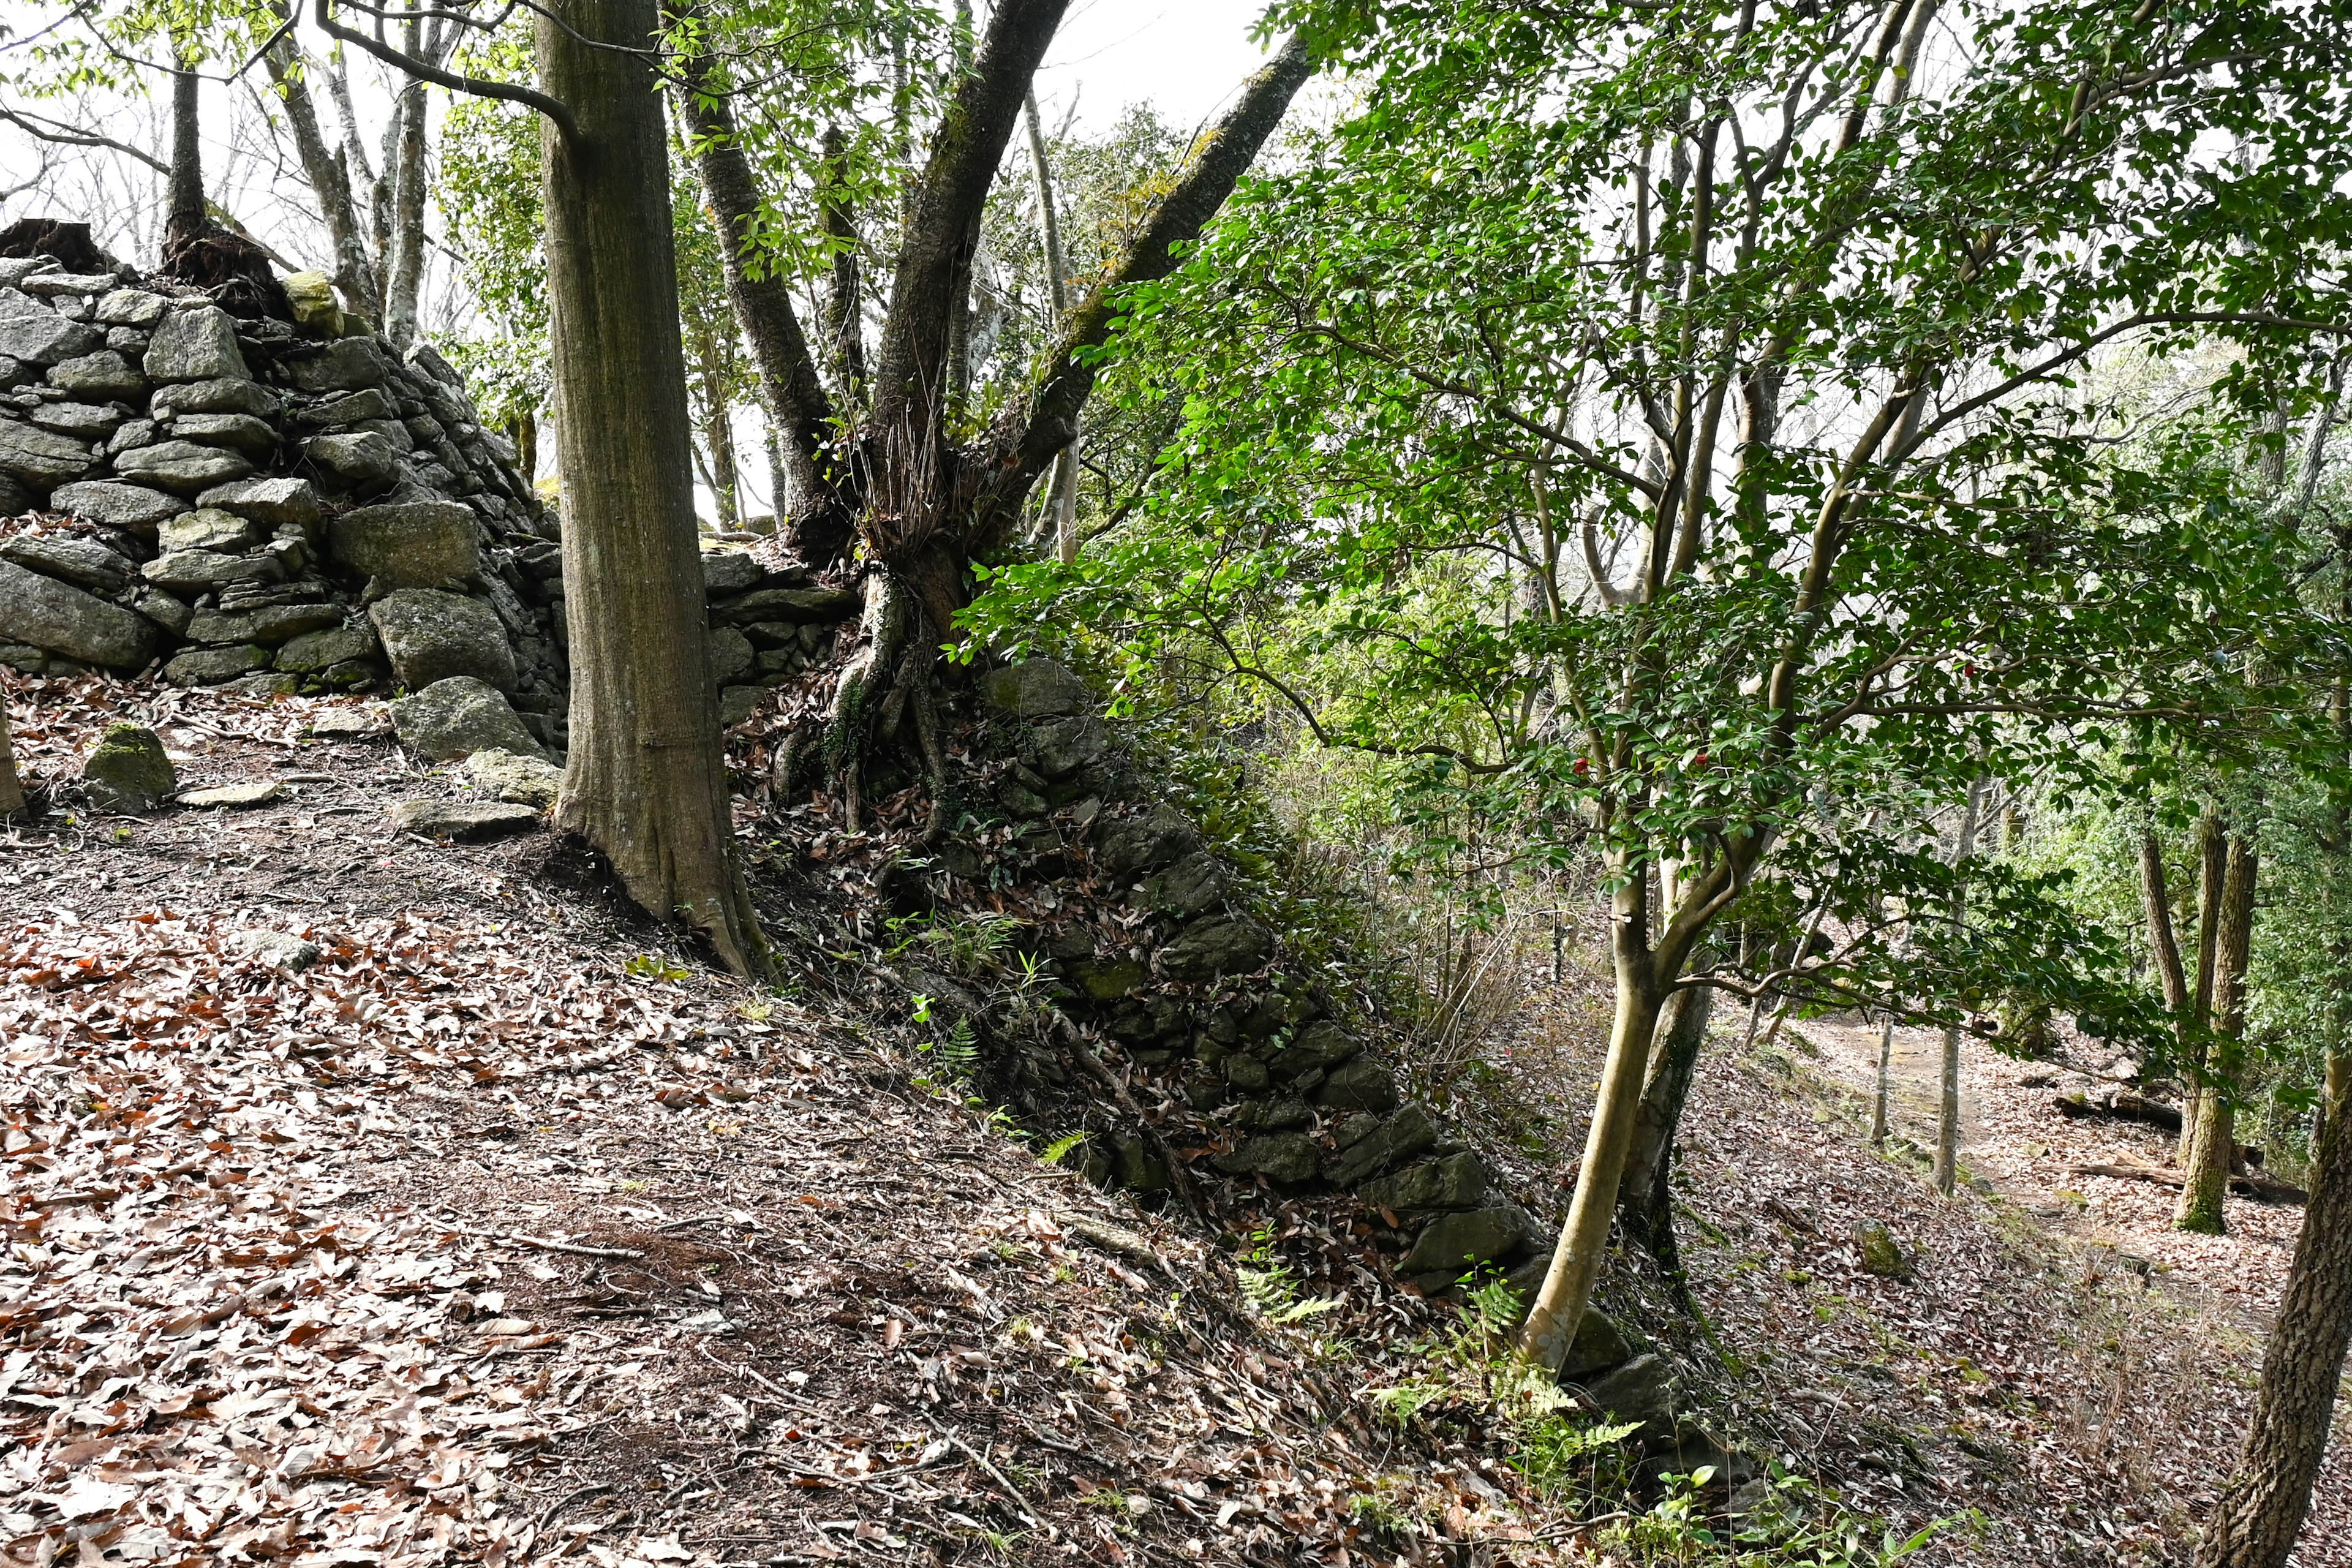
(2012, 1138)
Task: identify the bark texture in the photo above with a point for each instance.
(1560, 1303)
(644, 783)
(1645, 1211)
(2262, 1509)
(183, 213)
(2212, 1134)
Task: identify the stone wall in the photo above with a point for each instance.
(1232, 1051)
(241, 501)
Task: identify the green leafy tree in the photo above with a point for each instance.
(1646, 422)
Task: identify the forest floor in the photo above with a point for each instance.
(369, 1202)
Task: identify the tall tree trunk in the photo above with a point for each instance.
(1646, 1210)
(2205, 1190)
(1878, 1108)
(12, 789)
(844, 309)
(645, 783)
(404, 280)
(2262, 1509)
(2212, 864)
(330, 179)
(2163, 945)
(1567, 1289)
(1948, 1107)
(183, 213)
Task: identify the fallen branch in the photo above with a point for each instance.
(2264, 1189)
(2125, 1106)
(545, 1244)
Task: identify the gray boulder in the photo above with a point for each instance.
(237, 432)
(41, 337)
(1453, 1243)
(68, 285)
(363, 457)
(267, 623)
(70, 557)
(41, 458)
(1408, 1133)
(208, 529)
(82, 421)
(1456, 1181)
(196, 345)
(801, 607)
(464, 822)
(103, 377)
(128, 772)
(1318, 1048)
(1035, 689)
(1214, 947)
(731, 657)
(201, 571)
(132, 508)
(430, 636)
(274, 502)
(278, 949)
(1193, 886)
(726, 572)
(131, 308)
(183, 467)
(458, 717)
(48, 615)
(1060, 747)
(1286, 1157)
(163, 609)
(1144, 843)
(1360, 1084)
(1598, 1345)
(213, 666)
(1642, 1392)
(531, 781)
(347, 364)
(315, 652)
(1881, 1255)
(226, 395)
(417, 544)
(351, 408)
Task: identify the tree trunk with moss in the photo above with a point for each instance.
(2206, 1189)
(646, 782)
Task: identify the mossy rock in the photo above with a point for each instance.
(128, 772)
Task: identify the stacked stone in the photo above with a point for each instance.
(1196, 994)
(254, 503)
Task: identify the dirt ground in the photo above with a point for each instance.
(371, 1202)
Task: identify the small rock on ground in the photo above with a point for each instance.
(464, 822)
(234, 797)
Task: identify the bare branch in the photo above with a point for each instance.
(554, 109)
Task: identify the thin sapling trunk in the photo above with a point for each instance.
(2205, 1190)
(1948, 1109)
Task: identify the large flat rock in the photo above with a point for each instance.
(46, 614)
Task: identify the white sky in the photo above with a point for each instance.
(1185, 57)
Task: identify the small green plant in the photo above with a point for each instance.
(656, 966)
(1271, 1290)
(1061, 1148)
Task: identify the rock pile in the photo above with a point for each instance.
(257, 504)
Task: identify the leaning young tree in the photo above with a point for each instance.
(1653, 422)
(879, 461)
(645, 783)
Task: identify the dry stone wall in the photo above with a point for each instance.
(1235, 1053)
(241, 501)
